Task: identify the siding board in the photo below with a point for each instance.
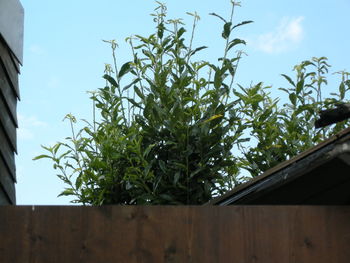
(15, 63)
(7, 153)
(8, 124)
(8, 95)
(6, 182)
(10, 68)
(4, 200)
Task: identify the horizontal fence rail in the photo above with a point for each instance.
(175, 234)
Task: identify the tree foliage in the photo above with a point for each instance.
(170, 129)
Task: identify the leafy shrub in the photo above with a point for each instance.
(283, 131)
(166, 126)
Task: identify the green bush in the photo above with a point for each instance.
(169, 129)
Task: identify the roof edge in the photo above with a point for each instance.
(328, 146)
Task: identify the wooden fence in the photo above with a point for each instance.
(239, 234)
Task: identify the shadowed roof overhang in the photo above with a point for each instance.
(318, 176)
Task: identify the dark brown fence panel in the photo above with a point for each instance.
(175, 234)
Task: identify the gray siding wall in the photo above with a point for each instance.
(11, 52)
(8, 123)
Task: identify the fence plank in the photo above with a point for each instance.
(175, 234)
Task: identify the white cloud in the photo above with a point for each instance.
(286, 36)
(26, 126)
(36, 50)
(54, 82)
(24, 134)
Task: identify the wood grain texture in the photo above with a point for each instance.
(175, 234)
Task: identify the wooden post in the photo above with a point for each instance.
(11, 53)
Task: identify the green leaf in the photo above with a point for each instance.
(293, 98)
(265, 114)
(218, 79)
(285, 90)
(288, 79)
(140, 46)
(64, 154)
(138, 92)
(243, 140)
(148, 54)
(214, 117)
(143, 39)
(68, 191)
(300, 86)
(166, 42)
(242, 23)
(111, 80)
(78, 182)
(180, 32)
(124, 69)
(133, 102)
(196, 50)
(146, 171)
(167, 197)
(162, 166)
(220, 17)
(160, 31)
(235, 42)
(176, 177)
(130, 84)
(227, 30)
(42, 156)
(148, 149)
(56, 147)
(197, 171)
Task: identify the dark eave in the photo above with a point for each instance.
(320, 175)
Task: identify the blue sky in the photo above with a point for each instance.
(64, 57)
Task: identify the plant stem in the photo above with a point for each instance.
(118, 82)
(228, 39)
